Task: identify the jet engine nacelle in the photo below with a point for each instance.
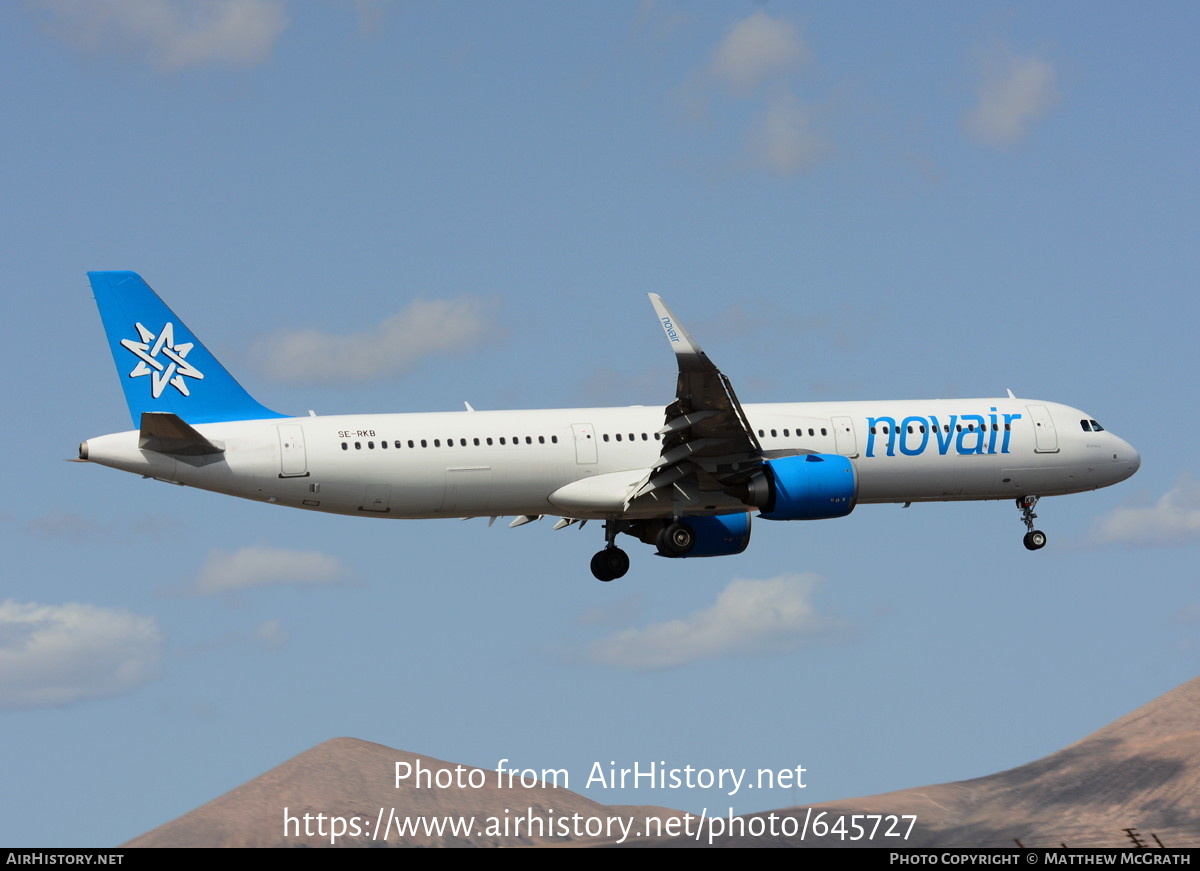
(805, 487)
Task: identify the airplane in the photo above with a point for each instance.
(685, 479)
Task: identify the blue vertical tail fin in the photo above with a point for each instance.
(161, 364)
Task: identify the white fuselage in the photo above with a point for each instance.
(481, 463)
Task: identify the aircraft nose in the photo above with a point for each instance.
(1129, 458)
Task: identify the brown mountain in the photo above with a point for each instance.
(352, 779)
(1142, 771)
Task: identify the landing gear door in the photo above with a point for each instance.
(585, 444)
(1045, 436)
(293, 460)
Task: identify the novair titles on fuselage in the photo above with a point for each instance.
(966, 433)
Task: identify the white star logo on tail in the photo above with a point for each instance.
(173, 370)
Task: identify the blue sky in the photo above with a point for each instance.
(878, 201)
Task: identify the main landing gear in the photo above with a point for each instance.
(676, 539)
(612, 562)
(1034, 539)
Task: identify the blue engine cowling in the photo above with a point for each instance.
(721, 535)
(805, 487)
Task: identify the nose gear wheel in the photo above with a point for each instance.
(1034, 539)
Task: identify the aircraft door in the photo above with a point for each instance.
(293, 459)
(585, 444)
(844, 438)
(1045, 436)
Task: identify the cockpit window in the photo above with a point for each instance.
(1096, 427)
(1087, 425)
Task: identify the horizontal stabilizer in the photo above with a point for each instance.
(166, 433)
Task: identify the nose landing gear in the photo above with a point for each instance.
(1034, 539)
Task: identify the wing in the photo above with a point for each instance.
(708, 447)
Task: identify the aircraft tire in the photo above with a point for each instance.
(676, 540)
(1035, 540)
(610, 564)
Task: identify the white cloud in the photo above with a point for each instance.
(74, 527)
(65, 524)
(753, 61)
(170, 34)
(613, 613)
(425, 327)
(262, 566)
(786, 141)
(749, 617)
(370, 14)
(756, 49)
(52, 655)
(272, 634)
(1173, 520)
(1015, 92)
